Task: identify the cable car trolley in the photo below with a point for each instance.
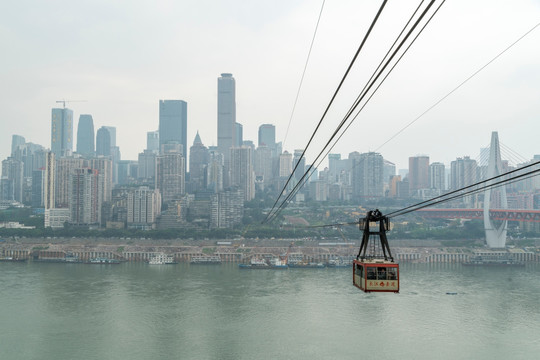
(374, 268)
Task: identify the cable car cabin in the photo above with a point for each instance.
(376, 275)
(374, 268)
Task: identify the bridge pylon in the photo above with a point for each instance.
(495, 229)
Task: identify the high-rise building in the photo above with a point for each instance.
(143, 206)
(367, 175)
(462, 172)
(418, 172)
(267, 135)
(104, 166)
(147, 166)
(65, 166)
(300, 169)
(285, 164)
(242, 171)
(227, 208)
(263, 164)
(12, 179)
(104, 141)
(85, 135)
(152, 141)
(62, 132)
(437, 176)
(226, 117)
(198, 160)
(214, 171)
(389, 171)
(173, 123)
(49, 177)
(85, 204)
(239, 135)
(16, 140)
(170, 175)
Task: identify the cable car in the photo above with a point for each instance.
(374, 268)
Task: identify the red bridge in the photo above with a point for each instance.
(496, 214)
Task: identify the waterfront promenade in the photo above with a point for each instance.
(240, 250)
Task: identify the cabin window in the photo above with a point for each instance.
(381, 273)
(371, 273)
(392, 273)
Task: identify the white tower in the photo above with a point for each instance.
(495, 230)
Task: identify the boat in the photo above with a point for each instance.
(11, 258)
(103, 260)
(206, 260)
(162, 259)
(307, 265)
(277, 263)
(255, 263)
(340, 263)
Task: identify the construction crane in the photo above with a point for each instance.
(68, 101)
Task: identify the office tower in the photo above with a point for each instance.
(173, 123)
(263, 164)
(285, 164)
(170, 175)
(143, 207)
(226, 117)
(85, 204)
(242, 171)
(85, 135)
(418, 173)
(49, 177)
(367, 175)
(462, 172)
(104, 140)
(37, 188)
(299, 172)
(32, 155)
(152, 141)
(267, 135)
(16, 140)
(214, 171)
(239, 135)
(389, 171)
(104, 166)
(198, 160)
(65, 166)
(147, 166)
(437, 176)
(62, 132)
(12, 179)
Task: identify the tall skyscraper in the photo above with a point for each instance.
(437, 176)
(239, 135)
(198, 160)
(285, 164)
(299, 172)
(367, 175)
(48, 192)
(173, 123)
(85, 135)
(12, 180)
(104, 141)
(418, 172)
(16, 140)
(170, 175)
(62, 132)
(214, 171)
(267, 135)
(242, 174)
(462, 172)
(152, 141)
(226, 116)
(85, 204)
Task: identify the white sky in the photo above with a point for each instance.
(123, 56)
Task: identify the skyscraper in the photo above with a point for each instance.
(367, 175)
(62, 131)
(85, 204)
(437, 176)
(173, 123)
(85, 135)
(104, 141)
(226, 116)
(152, 141)
(170, 175)
(16, 140)
(418, 172)
(198, 160)
(267, 135)
(242, 174)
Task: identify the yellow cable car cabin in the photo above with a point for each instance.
(374, 268)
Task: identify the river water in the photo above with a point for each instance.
(139, 311)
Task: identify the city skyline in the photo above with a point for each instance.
(501, 97)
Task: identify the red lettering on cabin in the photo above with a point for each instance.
(382, 283)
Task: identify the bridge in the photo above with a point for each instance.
(494, 214)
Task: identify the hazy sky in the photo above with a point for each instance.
(123, 56)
